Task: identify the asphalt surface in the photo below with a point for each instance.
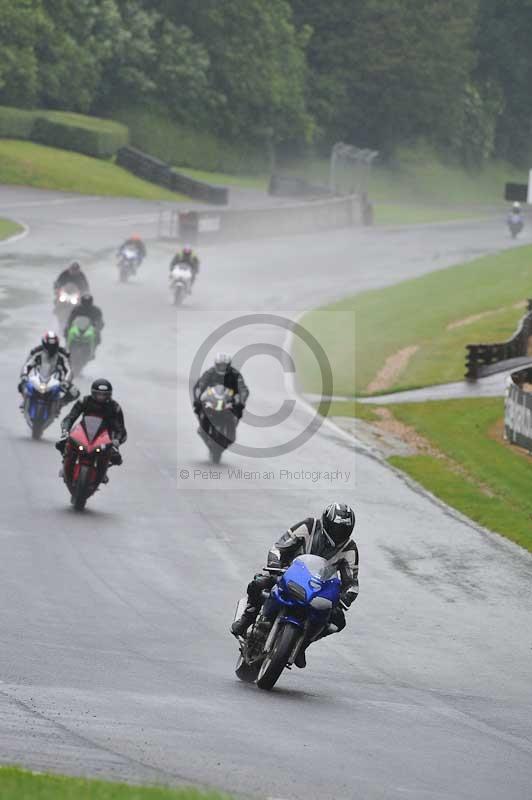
(115, 657)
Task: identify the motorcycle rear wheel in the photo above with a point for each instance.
(81, 489)
(277, 659)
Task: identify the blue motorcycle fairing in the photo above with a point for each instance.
(322, 593)
(40, 402)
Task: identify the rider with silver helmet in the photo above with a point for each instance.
(222, 373)
(99, 403)
(50, 353)
(328, 537)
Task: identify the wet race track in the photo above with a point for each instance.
(115, 656)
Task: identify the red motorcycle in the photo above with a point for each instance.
(87, 457)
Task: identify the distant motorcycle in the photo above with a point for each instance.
(86, 459)
(515, 225)
(296, 610)
(81, 341)
(217, 407)
(128, 262)
(43, 394)
(66, 297)
(180, 283)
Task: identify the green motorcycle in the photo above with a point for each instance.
(81, 341)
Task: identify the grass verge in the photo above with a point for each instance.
(18, 784)
(28, 164)
(468, 465)
(480, 301)
(9, 228)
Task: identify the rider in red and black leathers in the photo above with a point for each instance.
(98, 403)
(328, 537)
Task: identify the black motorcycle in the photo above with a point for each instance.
(219, 432)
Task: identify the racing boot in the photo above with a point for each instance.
(300, 660)
(240, 626)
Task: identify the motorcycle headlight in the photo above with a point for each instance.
(80, 447)
(296, 591)
(42, 388)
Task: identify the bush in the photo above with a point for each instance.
(89, 135)
(153, 132)
(16, 123)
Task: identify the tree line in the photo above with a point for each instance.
(292, 73)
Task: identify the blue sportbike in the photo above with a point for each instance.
(295, 611)
(43, 395)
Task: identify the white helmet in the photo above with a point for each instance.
(516, 206)
(222, 362)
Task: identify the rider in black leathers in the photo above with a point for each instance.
(73, 274)
(328, 537)
(99, 403)
(221, 373)
(86, 308)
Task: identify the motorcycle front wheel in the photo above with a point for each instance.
(81, 489)
(277, 658)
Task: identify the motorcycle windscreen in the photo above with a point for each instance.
(92, 427)
(316, 566)
(82, 323)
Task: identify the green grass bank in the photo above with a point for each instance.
(9, 228)
(18, 784)
(467, 463)
(438, 313)
(28, 164)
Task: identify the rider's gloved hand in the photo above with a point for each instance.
(347, 597)
(61, 444)
(196, 405)
(238, 410)
(21, 385)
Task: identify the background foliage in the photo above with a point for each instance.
(286, 74)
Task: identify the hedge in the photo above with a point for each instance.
(89, 135)
(16, 123)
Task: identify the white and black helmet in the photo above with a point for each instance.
(222, 362)
(101, 391)
(338, 521)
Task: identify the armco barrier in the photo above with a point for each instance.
(240, 224)
(286, 220)
(156, 171)
(518, 409)
(483, 359)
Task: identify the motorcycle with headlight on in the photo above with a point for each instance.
(66, 297)
(86, 459)
(297, 610)
(217, 404)
(43, 394)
